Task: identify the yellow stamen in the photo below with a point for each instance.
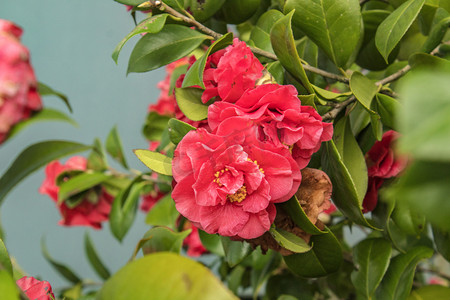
(239, 196)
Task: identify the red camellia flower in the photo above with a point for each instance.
(231, 71)
(18, 84)
(89, 212)
(280, 117)
(228, 182)
(36, 289)
(382, 163)
(192, 241)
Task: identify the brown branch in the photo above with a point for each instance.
(330, 115)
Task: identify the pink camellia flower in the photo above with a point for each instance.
(228, 182)
(89, 212)
(193, 243)
(149, 200)
(231, 71)
(281, 119)
(19, 97)
(382, 163)
(36, 289)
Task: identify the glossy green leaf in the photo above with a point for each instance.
(124, 207)
(363, 88)
(235, 278)
(427, 61)
(436, 35)
(260, 33)
(238, 11)
(394, 27)
(387, 108)
(430, 292)
(8, 287)
(283, 45)
(289, 240)
(372, 257)
(163, 239)
(329, 95)
(97, 158)
(324, 258)
(203, 10)
(442, 242)
(190, 103)
(335, 26)
(34, 157)
(114, 147)
(150, 25)
(163, 213)
(154, 126)
(159, 49)
(45, 90)
(298, 215)
(130, 2)
(94, 258)
(235, 251)
(212, 242)
(79, 183)
(5, 261)
(397, 282)
(59, 267)
(164, 276)
(178, 129)
(194, 75)
(155, 161)
(276, 70)
(409, 221)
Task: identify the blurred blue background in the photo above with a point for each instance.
(71, 42)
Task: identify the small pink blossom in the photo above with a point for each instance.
(193, 243)
(36, 289)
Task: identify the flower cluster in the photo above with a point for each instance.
(230, 174)
(94, 207)
(19, 97)
(382, 163)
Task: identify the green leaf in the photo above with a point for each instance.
(364, 89)
(190, 103)
(163, 213)
(45, 90)
(235, 251)
(442, 242)
(430, 292)
(150, 25)
(34, 157)
(298, 215)
(397, 282)
(155, 161)
(329, 95)
(194, 75)
(114, 147)
(387, 108)
(163, 239)
(5, 261)
(335, 26)
(94, 259)
(427, 61)
(289, 240)
(394, 27)
(130, 2)
(260, 33)
(78, 184)
(178, 129)
(154, 126)
(276, 70)
(156, 50)
(203, 10)
(212, 242)
(124, 207)
(97, 158)
(164, 276)
(8, 286)
(262, 268)
(283, 45)
(324, 258)
(436, 35)
(235, 278)
(371, 257)
(60, 268)
(409, 221)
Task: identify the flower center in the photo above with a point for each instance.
(256, 163)
(217, 175)
(239, 196)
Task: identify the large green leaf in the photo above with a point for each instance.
(5, 261)
(289, 240)
(164, 276)
(364, 89)
(235, 251)
(45, 90)
(387, 108)
(78, 184)
(324, 258)
(260, 34)
(114, 147)
(155, 161)
(442, 241)
(397, 282)
(94, 258)
(163, 239)
(334, 25)
(212, 242)
(430, 292)
(154, 126)
(178, 129)
(437, 34)
(34, 157)
(8, 287)
(159, 49)
(163, 213)
(153, 24)
(62, 269)
(371, 257)
(190, 103)
(427, 61)
(203, 10)
(394, 27)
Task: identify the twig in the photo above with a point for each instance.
(330, 115)
(394, 76)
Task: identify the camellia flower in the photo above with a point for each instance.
(36, 289)
(382, 163)
(281, 119)
(193, 243)
(228, 182)
(19, 97)
(91, 211)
